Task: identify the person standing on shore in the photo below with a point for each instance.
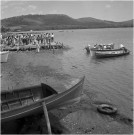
(47, 38)
(52, 37)
(17, 43)
(38, 46)
(44, 39)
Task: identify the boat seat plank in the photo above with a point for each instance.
(16, 99)
(27, 101)
(13, 105)
(16, 103)
(11, 95)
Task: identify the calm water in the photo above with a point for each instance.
(108, 79)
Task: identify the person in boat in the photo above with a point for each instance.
(88, 46)
(122, 47)
(105, 47)
(100, 47)
(95, 46)
(112, 45)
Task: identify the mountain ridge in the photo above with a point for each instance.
(58, 21)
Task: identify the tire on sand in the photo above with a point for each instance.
(107, 109)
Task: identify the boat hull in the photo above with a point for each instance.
(4, 56)
(108, 54)
(56, 100)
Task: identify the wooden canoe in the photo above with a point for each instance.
(23, 102)
(111, 53)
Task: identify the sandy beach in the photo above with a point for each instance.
(30, 68)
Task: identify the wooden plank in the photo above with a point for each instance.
(47, 117)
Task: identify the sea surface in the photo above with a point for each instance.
(108, 80)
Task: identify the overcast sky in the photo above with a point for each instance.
(105, 10)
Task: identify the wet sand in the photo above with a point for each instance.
(30, 68)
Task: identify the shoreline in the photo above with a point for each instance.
(30, 68)
(25, 69)
(59, 30)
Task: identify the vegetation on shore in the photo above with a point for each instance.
(57, 22)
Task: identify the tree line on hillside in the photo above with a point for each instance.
(56, 22)
(4, 29)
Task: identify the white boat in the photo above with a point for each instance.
(4, 56)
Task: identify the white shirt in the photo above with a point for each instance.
(52, 35)
(121, 45)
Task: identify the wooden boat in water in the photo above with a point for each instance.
(23, 102)
(4, 56)
(111, 53)
(105, 51)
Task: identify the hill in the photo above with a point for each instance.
(58, 21)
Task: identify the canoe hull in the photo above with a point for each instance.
(56, 100)
(4, 56)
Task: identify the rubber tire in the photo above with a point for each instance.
(107, 109)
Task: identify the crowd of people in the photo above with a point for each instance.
(26, 39)
(104, 46)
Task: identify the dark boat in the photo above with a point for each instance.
(111, 53)
(23, 102)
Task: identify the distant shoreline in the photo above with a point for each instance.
(63, 30)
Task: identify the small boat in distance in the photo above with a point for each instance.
(26, 101)
(104, 51)
(4, 56)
